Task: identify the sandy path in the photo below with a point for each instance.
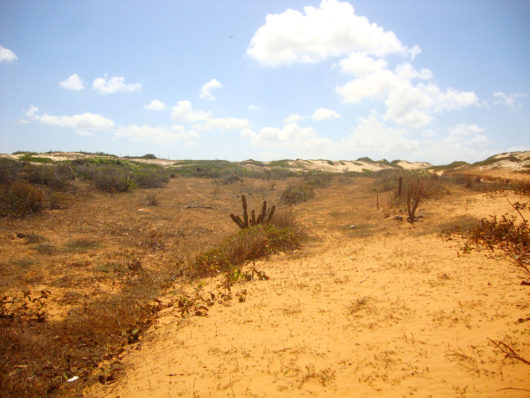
(394, 314)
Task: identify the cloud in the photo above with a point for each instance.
(6, 55)
(155, 105)
(115, 84)
(324, 114)
(508, 99)
(330, 30)
(294, 118)
(157, 135)
(373, 136)
(407, 103)
(183, 112)
(253, 107)
(83, 124)
(360, 64)
(207, 88)
(223, 123)
(290, 137)
(31, 112)
(465, 134)
(74, 82)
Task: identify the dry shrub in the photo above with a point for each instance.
(151, 200)
(9, 170)
(297, 193)
(20, 199)
(507, 235)
(38, 356)
(415, 192)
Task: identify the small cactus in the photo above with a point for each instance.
(264, 217)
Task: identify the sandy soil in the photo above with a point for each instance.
(381, 309)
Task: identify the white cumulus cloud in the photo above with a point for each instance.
(156, 134)
(294, 118)
(324, 114)
(408, 102)
(290, 137)
(206, 89)
(183, 112)
(83, 124)
(115, 84)
(7, 55)
(74, 82)
(222, 123)
(155, 105)
(330, 30)
(510, 100)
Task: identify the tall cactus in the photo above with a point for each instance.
(264, 217)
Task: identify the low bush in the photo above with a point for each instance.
(112, 179)
(297, 193)
(9, 170)
(246, 245)
(35, 159)
(21, 199)
(506, 234)
(57, 176)
(150, 177)
(318, 180)
(152, 200)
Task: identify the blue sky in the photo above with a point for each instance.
(433, 81)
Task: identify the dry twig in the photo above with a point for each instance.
(508, 351)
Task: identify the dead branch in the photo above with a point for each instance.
(197, 206)
(508, 351)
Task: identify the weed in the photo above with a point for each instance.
(462, 225)
(81, 245)
(46, 248)
(152, 200)
(33, 238)
(359, 304)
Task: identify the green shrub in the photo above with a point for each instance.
(20, 199)
(35, 159)
(55, 176)
(150, 178)
(112, 179)
(246, 245)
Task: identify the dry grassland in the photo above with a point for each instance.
(368, 306)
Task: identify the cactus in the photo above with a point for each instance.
(264, 217)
